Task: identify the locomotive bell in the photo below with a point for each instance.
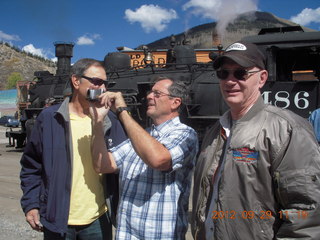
(148, 59)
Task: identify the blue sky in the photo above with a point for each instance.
(100, 26)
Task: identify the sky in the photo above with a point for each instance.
(98, 27)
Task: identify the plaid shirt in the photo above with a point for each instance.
(154, 204)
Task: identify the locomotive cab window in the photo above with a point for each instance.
(298, 64)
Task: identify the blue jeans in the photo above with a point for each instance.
(100, 229)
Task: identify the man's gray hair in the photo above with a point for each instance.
(178, 89)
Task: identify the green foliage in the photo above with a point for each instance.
(12, 80)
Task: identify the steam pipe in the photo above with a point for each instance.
(64, 53)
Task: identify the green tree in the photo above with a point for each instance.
(12, 80)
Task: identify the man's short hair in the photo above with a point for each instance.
(177, 89)
(78, 69)
(81, 66)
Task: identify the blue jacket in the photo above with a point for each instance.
(47, 165)
(315, 121)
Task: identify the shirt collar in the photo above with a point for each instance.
(159, 130)
(225, 121)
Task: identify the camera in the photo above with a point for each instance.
(93, 94)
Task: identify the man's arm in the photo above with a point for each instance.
(297, 186)
(30, 177)
(116, 133)
(103, 161)
(152, 152)
(314, 119)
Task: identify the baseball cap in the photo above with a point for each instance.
(243, 53)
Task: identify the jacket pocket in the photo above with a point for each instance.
(296, 188)
(52, 201)
(202, 202)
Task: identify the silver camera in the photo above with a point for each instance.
(93, 94)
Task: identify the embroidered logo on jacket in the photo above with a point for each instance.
(245, 155)
(110, 143)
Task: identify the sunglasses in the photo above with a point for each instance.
(96, 81)
(240, 74)
(158, 93)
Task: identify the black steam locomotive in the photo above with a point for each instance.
(34, 95)
(293, 62)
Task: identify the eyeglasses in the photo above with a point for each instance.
(240, 74)
(158, 93)
(96, 81)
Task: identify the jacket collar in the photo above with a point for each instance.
(254, 110)
(63, 110)
(225, 119)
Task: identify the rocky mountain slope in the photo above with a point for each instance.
(207, 36)
(202, 36)
(13, 60)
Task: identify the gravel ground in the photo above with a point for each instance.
(12, 221)
(13, 229)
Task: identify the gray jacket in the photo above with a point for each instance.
(270, 183)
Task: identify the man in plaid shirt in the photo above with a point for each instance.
(155, 164)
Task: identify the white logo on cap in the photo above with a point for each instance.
(236, 47)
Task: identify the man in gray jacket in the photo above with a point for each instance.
(258, 173)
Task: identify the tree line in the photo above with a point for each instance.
(14, 77)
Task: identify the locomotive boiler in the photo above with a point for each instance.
(205, 104)
(293, 62)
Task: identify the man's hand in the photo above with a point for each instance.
(113, 100)
(33, 218)
(98, 110)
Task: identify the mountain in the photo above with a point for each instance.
(205, 36)
(202, 36)
(14, 60)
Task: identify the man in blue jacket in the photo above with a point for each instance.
(314, 119)
(62, 194)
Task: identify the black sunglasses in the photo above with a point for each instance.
(240, 74)
(96, 81)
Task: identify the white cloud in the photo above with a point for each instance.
(8, 37)
(151, 17)
(307, 16)
(36, 51)
(88, 39)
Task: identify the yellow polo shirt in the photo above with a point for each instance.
(87, 202)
